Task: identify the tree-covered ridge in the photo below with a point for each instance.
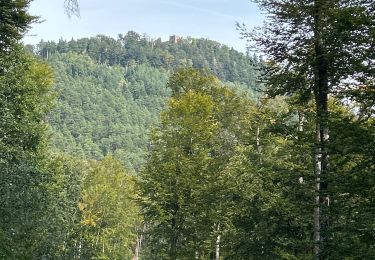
(132, 48)
(111, 92)
(105, 109)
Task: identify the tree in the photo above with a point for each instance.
(353, 165)
(25, 98)
(15, 21)
(321, 48)
(110, 213)
(62, 218)
(272, 213)
(185, 185)
(104, 109)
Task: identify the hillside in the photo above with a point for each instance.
(139, 148)
(111, 91)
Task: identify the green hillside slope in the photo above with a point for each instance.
(111, 91)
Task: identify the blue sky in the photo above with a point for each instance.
(213, 19)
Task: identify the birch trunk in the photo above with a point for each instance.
(301, 120)
(138, 246)
(258, 140)
(217, 243)
(317, 172)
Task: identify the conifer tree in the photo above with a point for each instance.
(15, 21)
(318, 48)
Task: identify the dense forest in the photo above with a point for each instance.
(138, 148)
(111, 91)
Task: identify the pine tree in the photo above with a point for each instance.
(15, 21)
(321, 48)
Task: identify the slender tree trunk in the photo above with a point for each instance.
(300, 128)
(322, 132)
(258, 140)
(217, 243)
(301, 120)
(317, 172)
(138, 246)
(173, 242)
(258, 146)
(79, 249)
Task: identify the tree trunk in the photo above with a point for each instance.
(322, 132)
(301, 120)
(138, 246)
(217, 243)
(258, 146)
(258, 140)
(317, 172)
(173, 242)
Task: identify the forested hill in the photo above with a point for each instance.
(132, 49)
(111, 91)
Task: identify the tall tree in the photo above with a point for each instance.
(322, 48)
(274, 188)
(186, 187)
(15, 21)
(62, 218)
(25, 97)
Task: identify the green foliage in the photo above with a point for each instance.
(70, 190)
(62, 219)
(91, 210)
(185, 185)
(132, 49)
(352, 207)
(295, 33)
(109, 212)
(45, 200)
(218, 166)
(15, 21)
(272, 219)
(104, 109)
(109, 102)
(25, 97)
(318, 48)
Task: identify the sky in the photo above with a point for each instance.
(212, 19)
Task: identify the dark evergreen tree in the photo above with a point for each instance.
(15, 21)
(318, 48)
